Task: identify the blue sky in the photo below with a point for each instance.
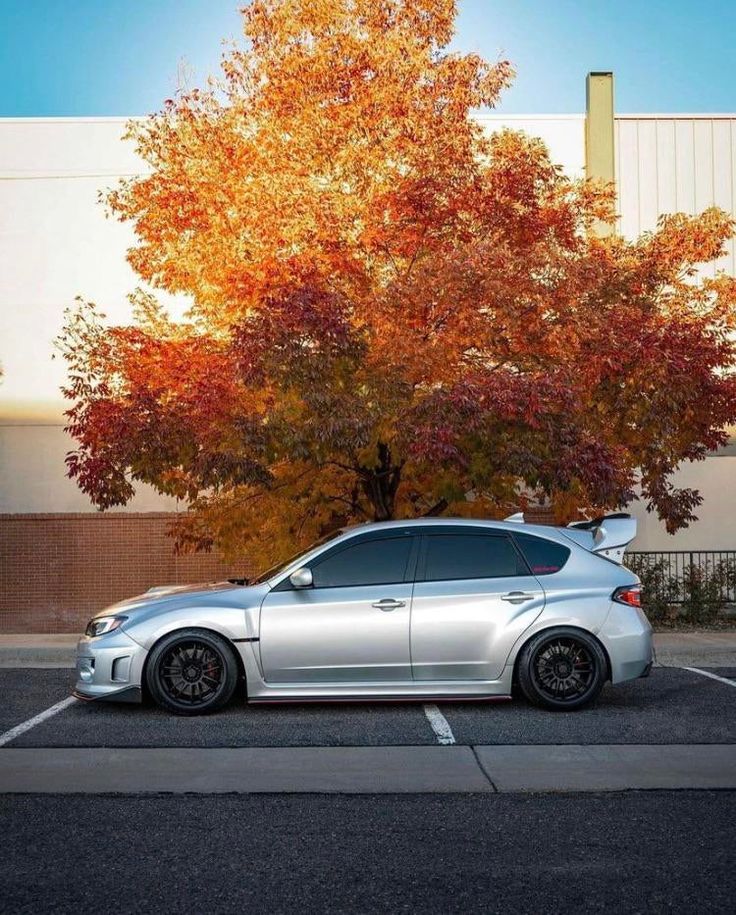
(120, 57)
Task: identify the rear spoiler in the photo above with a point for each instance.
(608, 535)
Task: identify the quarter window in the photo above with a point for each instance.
(369, 562)
(458, 556)
(545, 557)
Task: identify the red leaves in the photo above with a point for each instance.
(391, 311)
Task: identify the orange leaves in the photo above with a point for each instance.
(393, 313)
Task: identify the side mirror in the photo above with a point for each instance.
(302, 578)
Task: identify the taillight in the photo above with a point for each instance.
(629, 595)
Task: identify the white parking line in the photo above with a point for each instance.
(440, 725)
(706, 673)
(37, 719)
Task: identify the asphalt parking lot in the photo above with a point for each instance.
(672, 706)
(476, 850)
(624, 852)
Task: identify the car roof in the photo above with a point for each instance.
(514, 527)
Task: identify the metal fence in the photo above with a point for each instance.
(708, 576)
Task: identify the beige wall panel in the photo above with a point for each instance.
(647, 175)
(715, 528)
(564, 136)
(666, 167)
(685, 165)
(723, 195)
(33, 475)
(55, 244)
(627, 177)
(675, 164)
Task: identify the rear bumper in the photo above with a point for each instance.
(109, 667)
(627, 637)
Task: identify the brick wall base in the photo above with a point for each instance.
(57, 570)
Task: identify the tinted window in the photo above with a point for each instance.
(370, 562)
(544, 556)
(274, 570)
(453, 556)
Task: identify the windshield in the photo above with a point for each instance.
(280, 566)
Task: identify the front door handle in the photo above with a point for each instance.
(517, 597)
(388, 604)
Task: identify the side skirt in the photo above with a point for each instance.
(429, 697)
(413, 691)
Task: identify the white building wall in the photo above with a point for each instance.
(668, 164)
(563, 134)
(56, 243)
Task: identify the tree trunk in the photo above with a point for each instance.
(380, 484)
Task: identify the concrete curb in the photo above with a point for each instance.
(368, 770)
(696, 649)
(28, 651)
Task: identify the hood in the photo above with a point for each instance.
(166, 595)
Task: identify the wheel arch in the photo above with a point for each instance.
(521, 645)
(242, 678)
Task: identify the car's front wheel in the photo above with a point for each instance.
(192, 672)
(562, 669)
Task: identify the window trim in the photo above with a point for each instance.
(421, 572)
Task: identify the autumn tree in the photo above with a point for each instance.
(393, 313)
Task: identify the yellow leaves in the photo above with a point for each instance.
(374, 282)
(336, 103)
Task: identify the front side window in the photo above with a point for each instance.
(545, 557)
(280, 566)
(458, 556)
(368, 562)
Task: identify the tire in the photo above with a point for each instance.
(562, 669)
(192, 672)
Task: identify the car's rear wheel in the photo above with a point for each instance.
(562, 669)
(192, 672)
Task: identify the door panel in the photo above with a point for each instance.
(353, 625)
(336, 635)
(464, 628)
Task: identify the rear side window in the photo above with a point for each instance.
(544, 556)
(457, 556)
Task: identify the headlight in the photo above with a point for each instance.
(101, 625)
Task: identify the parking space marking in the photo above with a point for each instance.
(37, 719)
(440, 725)
(707, 673)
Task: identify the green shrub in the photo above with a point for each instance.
(659, 590)
(705, 590)
(694, 598)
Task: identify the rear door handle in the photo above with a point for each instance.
(388, 604)
(517, 597)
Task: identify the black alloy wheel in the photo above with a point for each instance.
(192, 672)
(562, 669)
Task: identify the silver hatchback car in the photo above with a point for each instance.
(433, 608)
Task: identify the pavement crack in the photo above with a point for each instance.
(483, 769)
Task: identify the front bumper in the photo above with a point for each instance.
(110, 667)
